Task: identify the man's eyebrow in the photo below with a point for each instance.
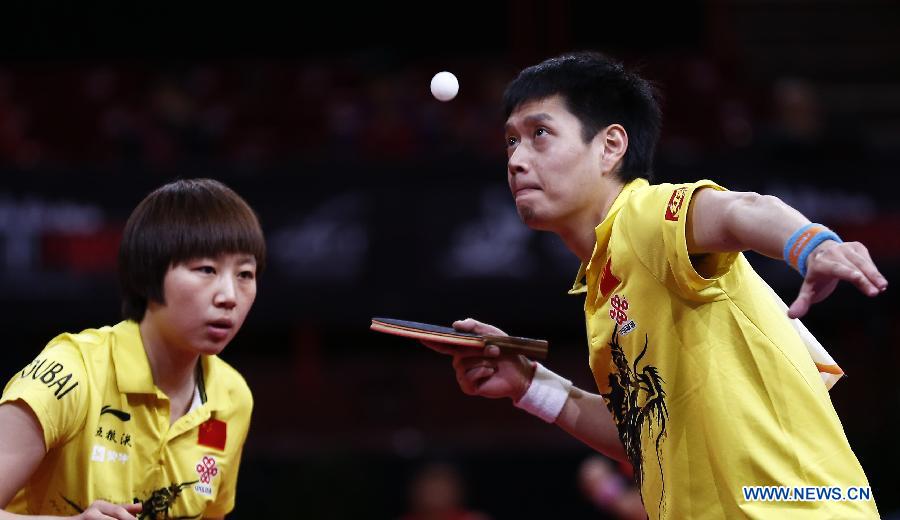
(532, 119)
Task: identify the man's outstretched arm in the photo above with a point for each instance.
(722, 221)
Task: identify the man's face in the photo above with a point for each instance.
(553, 174)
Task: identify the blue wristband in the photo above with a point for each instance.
(796, 254)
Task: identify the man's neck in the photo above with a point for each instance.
(579, 234)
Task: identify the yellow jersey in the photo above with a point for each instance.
(107, 432)
(710, 386)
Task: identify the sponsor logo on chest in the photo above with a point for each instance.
(207, 470)
(618, 312)
(103, 454)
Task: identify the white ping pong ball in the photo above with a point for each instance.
(444, 86)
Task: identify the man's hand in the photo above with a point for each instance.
(830, 263)
(486, 372)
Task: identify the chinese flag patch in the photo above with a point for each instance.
(213, 433)
(608, 281)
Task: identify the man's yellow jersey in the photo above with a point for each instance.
(711, 387)
(107, 432)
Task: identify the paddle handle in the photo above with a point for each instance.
(530, 348)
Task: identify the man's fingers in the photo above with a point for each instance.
(472, 325)
(478, 374)
(860, 257)
(851, 262)
(853, 274)
(473, 363)
(465, 363)
(467, 384)
(470, 381)
(471, 372)
(800, 307)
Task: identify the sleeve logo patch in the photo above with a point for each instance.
(675, 203)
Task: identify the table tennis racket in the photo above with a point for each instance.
(532, 348)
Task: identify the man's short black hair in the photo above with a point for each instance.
(182, 220)
(599, 91)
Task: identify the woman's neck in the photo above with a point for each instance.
(174, 369)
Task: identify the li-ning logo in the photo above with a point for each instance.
(207, 470)
(675, 203)
(122, 416)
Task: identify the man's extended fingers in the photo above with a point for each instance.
(850, 262)
(868, 275)
(850, 273)
(859, 255)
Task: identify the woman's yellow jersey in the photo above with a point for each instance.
(108, 434)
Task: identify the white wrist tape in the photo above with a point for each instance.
(546, 395)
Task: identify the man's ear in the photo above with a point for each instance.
(613, 144)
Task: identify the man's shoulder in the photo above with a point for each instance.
(671, 196)
(663, 188)
(643, 195)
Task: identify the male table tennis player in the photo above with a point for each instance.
(705, 387)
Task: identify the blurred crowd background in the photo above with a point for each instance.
(378, 200)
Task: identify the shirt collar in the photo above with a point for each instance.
(579, 286)
(133, 374)
(211, 394)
